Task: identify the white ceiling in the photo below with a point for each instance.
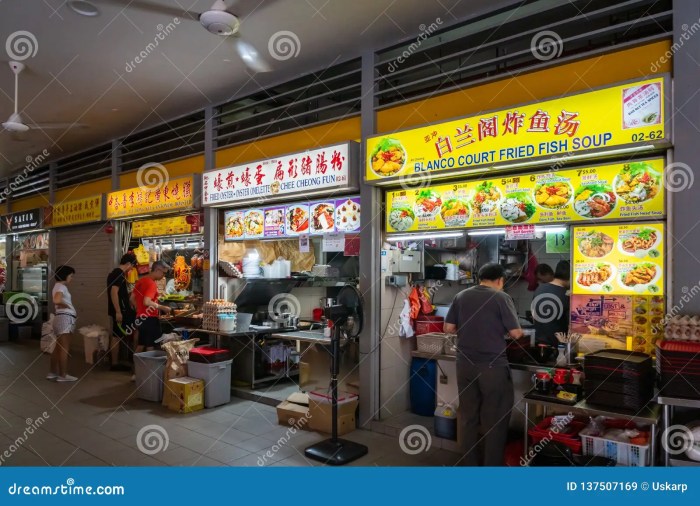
(78, 74)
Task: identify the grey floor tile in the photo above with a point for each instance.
(131, 457)
(23, 458)
(255, 444)
(200, 444)
(229, 454)
(252, 460)
(202, 461)
(175, 455)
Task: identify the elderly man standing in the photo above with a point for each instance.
(481, 317)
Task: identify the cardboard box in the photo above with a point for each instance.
(293, 415)
(321, 416)
(184, 395)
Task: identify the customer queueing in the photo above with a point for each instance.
(63, 324)
(550, 306)
(145, 298)
(481, 317)
(119, 309)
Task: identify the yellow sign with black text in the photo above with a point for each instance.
(173, 195)
(631, 190)
(74, 212)
(626, 115)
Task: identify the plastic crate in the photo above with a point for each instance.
(431, 343)
(625, 454)
(567, 433)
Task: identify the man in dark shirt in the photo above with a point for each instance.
(481, 317)
(119, 308)
(550, 306)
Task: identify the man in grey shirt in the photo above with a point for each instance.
(481, 317)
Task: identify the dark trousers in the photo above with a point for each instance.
(485, 402)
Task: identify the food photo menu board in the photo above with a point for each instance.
(326, 216)
(630, 190)
(621, 259)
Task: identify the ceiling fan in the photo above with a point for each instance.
(217, 20)
(15, 125)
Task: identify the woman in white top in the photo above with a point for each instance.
(63, 324)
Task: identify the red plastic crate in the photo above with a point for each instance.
(567, 435)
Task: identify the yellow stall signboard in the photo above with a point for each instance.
(165, 226)
(74, 212)
(626, 115)
(173, 195)
(619, 259)
(630, 190)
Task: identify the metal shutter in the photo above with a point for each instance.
(88, 249)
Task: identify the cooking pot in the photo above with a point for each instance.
(327, 302)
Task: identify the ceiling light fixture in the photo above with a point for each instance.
(84, 8)
(418, 237)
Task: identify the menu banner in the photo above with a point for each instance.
(74, 212)
(176, 225)
(605, 192)
(312, 172)
(619, 259)
(624, 115)
(322, 217)
(172, 195)
(22, 221)
(620, 317)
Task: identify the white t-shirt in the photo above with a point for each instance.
(66, 299)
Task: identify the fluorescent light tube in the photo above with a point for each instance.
(418, 237)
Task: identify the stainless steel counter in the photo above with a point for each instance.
(306, 336)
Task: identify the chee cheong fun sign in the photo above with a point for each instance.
(315, 171)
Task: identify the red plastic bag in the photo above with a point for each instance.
(425, 306)
(414, 301)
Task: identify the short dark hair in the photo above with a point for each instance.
(563, 270)
(62, 272)
(159, 264)
(129, 258)
(491, 272)
(544, 270)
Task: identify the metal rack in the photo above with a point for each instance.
(668, 404)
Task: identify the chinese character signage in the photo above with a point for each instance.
(175, 195)
(625, 115)
(74, 212)
(303, 218)
(621, 259)
(313, 172)
(175, 225)
(604, 192)
(22, 221)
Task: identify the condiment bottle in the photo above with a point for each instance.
(561, 358)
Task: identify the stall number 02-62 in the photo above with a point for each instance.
(655, 135)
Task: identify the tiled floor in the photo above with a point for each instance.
(98, 422)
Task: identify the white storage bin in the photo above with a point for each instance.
(217, 381)
(624, 454)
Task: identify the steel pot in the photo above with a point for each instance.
(327, 302)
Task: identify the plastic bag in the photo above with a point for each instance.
(48, 338)
(414, 301)
(405, 328)
(425, 306)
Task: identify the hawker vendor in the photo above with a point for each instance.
(550, 306)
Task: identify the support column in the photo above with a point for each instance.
(370, 240)
(683, 246)
(211, 215)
